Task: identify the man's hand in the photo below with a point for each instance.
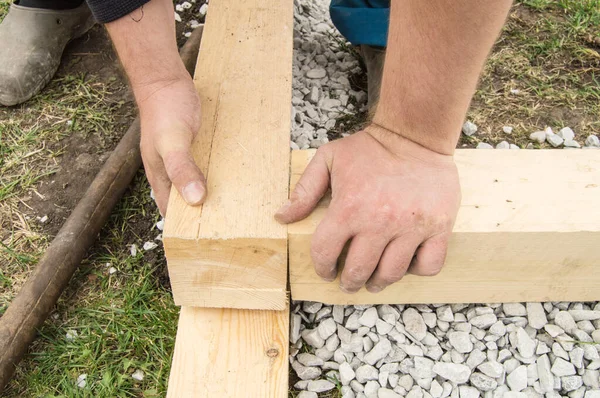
(395, 200)
(170, 118)
(168, 102)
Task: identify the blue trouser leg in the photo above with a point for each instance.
(362, 21)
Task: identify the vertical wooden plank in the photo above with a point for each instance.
(230, 353)
(231, 252)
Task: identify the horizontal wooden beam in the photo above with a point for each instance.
(230, 353)
(528, 230)
(230, 252)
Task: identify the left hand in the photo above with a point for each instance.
(393, 198)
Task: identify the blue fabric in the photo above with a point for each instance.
(362, 21)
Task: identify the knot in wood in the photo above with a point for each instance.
(272, 352)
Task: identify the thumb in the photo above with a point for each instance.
(185, 176)
(308, 191)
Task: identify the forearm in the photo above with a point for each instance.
(436, 50)
(145, 42)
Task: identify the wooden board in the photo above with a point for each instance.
(528, 230)
(230, 353)
(231, 252)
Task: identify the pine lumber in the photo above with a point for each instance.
(230, 252)
(232, 353)
(528, 229)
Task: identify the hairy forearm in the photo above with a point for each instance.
(145, 42)
(436, 50)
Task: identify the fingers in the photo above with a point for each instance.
(393, 264)
(185, 176)
(363, 256)
(157, 177)
(327, 244)
(430, 256)
(309, 190)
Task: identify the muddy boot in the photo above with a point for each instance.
(32, 41)
(374, 58)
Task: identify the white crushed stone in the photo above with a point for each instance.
(469, 128)
(149, 246)
(81, 380)
(138, 375)
(71, 335)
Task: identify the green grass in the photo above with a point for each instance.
(124, 321)
(547, 51)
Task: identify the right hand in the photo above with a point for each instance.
(170, 119)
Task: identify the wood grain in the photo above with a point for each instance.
(230, 353)
(528, 230)
(230, 252)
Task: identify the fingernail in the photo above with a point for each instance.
(193, 193)
(283, 209)
(374, 288)
(345, 290)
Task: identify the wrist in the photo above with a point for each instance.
(433, 131)
(403, 145)
(153, 90)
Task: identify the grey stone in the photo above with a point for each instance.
(414, 323)
(365, 373)
(445, 314)
(536, 315)
(553, 330)
(560, 368)
(525, 345)
(491, 369)
(483, 321)
(572, 144)
(307, 359)
(565, 321)
(515, 309)
(316, 73)
(538, 136)
(592, 141)
(453, 372)
(369, 317)
(379, 351)
(571, 383)
(312, 338)
(584, 315)
(469, 128)
(307, 394)
(320, 385)
(483, 382)
(503, 145)
(517, 379)
(554, 140)
(461, 341)
(327, 328)
(295, 322)
(566, 133)
(311, 307)
(468, 392)
(545, 375)
(383, 327)
(387, 393)
(484, 145)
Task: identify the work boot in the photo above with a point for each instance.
(32, 41)
(374, 58)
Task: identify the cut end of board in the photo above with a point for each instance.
(232, 273)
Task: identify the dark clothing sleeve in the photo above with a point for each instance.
(109, 10)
